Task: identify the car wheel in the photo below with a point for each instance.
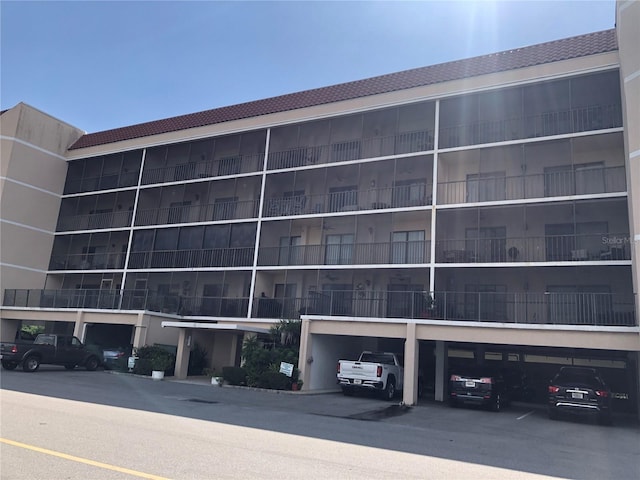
(91, 364)
(7, 365)
(497, 403)
(70, 366)
(390, 391)
(31, 363)
(347, 391)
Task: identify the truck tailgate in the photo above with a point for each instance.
(358, 370)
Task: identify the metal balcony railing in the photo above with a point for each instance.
(208, 257)
(550, 248)
(94, 221)
(589, 309)
(415, 195)
(87, 261)
(580, 119)
(198, 213)
(408, 142)
(103, 182)
(409, 252)
(548, 184)
(232, 165)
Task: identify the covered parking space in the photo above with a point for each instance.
(325, 340)
(222, 340)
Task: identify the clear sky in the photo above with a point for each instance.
(103, 65)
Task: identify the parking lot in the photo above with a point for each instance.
(520, 437)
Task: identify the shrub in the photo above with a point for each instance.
(234, 375)
(274, 380)
(153, 357)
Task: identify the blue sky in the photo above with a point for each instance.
(102, 65)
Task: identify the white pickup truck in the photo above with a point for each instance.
(374, 371)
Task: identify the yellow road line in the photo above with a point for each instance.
(82, 460)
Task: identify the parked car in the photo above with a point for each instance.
(579, 390)
(115, 357)
(480, 386)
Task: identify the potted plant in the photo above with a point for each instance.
(215, 378)
(296, 385)
(160, 362)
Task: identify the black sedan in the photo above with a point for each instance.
(580, 390)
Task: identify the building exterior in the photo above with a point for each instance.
(484, 208)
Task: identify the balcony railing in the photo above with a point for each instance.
(128, 300)
(103, 182)
(582, 119)
(94, 221)
(549, 184)
(87, 261)
(232, 165)
(208, 257)
(410, 252)
(589, 309)
(198, 213)
(402, 196)
(550, 248)
(408, 142)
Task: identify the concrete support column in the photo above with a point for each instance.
(140, 330)
(411, 362)
(78, 328)
(305, 358)
(182, 355)
(442, 370)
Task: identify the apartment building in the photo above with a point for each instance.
(485, 209)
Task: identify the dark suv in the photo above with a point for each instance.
(582, 391)
(479, 387)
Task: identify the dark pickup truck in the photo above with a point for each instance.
(47, 349)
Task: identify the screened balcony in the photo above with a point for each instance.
(560, 122)
(92, 260)
(561, 181)
(185, 213)
(603, 309)
(232, 165)
(548, 248)
(347, 253)
(350, 198)
(208, 257)
(402, 143)
(94, 221)
(534, 308)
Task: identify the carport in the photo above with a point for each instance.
(227, 343)
(324, 340)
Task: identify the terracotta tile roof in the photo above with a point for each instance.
(580, 46)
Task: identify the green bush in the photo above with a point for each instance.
(153, 357)
(234, 375)
(274, 380)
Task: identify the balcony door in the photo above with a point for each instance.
(486, 303)
(339, 296)
(486, 244)
(407, 247)
(290, 252)
(486, 187)
(578, 305)
(339, 249)
(212, 296)
(405, 300)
